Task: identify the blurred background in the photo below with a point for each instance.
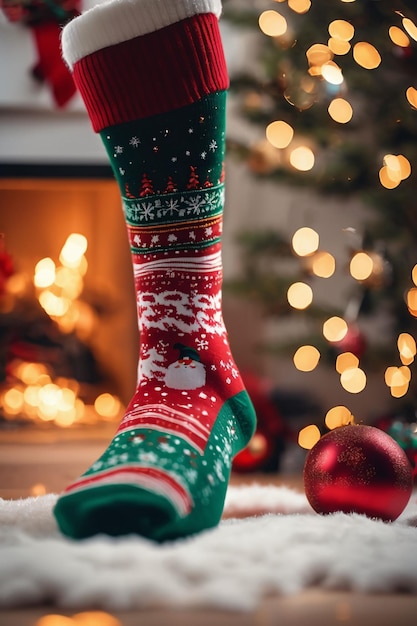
(320, 237)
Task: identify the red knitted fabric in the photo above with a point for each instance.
(191, 59)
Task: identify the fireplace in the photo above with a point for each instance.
(69, 339)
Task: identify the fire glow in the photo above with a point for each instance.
(33, 392)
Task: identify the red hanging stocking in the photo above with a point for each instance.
(45, 18)
(50, 66)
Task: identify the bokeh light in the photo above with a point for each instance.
(393, 165)
(411, 95)
(338, 416)
(35, 396)
(353, 380)
(332, 73)
(323, 264)
(398, 380)
(366, 55)
(279, 133)
(44, 273)
(412, 300)
(95, 618)
(340, 110)
(13, 401)
(73, 250)
(361, 266)
(85, 618)
(386, 180)
(309, 436)
(272, 23)
(318, 54)
(302, 158)
(405, 166)
(299, 6)
(345, 361)
(398, 37)
(107, 406)
(338, 46)
(300, 295)
(399, 391)
(305, 241)
(38, 489)
(410, 27)
(306, 358)
(341, 29)
(335, 329)
(406, 347)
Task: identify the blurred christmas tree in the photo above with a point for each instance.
(336, 94)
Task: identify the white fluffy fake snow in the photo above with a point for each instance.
(272, 542)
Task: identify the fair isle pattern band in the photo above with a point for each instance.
(150, 478)
(106, 24)
(166, 208)
(116, 90)
(209, 264)
(202, 233)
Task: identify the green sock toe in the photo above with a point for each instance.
(114, 510)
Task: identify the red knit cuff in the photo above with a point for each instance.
(154, 73)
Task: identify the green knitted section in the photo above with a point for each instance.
(118, 508)
(173, 169)
(232, 431)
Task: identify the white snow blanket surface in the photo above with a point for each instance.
(272, 542)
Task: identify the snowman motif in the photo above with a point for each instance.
(187, 372)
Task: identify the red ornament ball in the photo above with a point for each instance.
(358, 469)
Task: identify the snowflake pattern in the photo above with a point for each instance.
(148, 457)
(196, 204)
(204, 202)
(202, 344)
(191, 475)
(137, 439)
(147, 211)
(213, 145)
(134, 142)
(171, 207)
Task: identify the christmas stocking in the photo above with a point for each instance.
(153, 78)
(50, 66)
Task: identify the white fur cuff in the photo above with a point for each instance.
(112, 22)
